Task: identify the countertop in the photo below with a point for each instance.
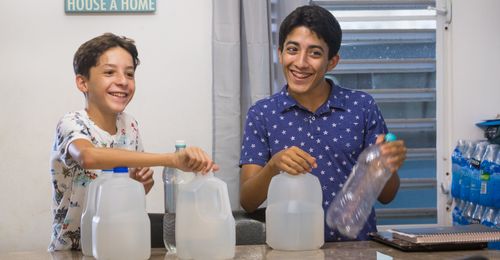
(365, 250)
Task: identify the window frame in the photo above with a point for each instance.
(442, 203)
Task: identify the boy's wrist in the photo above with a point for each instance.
(171, 160)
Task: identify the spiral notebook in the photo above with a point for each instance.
(387, 238)
(449, 234)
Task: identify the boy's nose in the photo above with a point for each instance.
(121, 79)
(301, 60)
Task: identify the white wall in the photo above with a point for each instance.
(468, 87)
(37, 43)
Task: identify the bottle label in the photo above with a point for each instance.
(475, 221)
(475, 163)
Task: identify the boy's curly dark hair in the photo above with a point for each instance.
(88, 54)
(316, 19)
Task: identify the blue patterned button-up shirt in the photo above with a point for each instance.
(335, 134)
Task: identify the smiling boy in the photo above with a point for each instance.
(102, 136)
(312, 125)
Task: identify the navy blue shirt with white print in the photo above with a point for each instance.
(335, 134)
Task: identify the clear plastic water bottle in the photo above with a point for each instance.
(172, 178)
(121, 228)
(489, 217)
(475, 181)
(486, 190)
(89, 211)
(495, 245)
(496, 222)
(493, 198)
(470, 146)
(352, 206)
(457, 160)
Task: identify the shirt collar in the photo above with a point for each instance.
(336, 99)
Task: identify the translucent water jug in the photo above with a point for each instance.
(294, 215)
(205, 226)
(121, 227)
(89, 211)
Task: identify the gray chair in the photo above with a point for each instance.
(250, 227)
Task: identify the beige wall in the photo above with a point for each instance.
(37, 43)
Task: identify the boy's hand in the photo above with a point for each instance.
(194, 159)
(395, 152)
(144, 176)
(293, 161)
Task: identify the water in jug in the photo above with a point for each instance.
(121, 228)
(205, 226)
(89, 211)
(294, 215)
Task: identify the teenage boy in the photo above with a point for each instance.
(312, 125)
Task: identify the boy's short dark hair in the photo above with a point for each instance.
(316, 19)
(88, 54)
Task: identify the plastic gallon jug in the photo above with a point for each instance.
(205, 227)
(121, 227)
(89, 211)
(294, 215)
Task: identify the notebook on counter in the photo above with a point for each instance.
(449, 234)
(387, 238)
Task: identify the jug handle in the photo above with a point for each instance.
(224, 210)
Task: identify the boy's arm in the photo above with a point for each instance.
(254, 183)
(90, 157)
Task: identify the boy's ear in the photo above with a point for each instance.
(81, 83)
(280, 59)
(332, 63)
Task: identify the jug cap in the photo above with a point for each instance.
(120, 169)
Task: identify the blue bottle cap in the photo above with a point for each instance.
(120, 170)
(390, 137)
(180, 144)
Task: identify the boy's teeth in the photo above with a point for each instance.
(300, 75)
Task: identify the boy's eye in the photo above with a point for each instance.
(316, 53)
(291, 49)
(108, 72)
(130, 74)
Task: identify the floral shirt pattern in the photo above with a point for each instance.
(70, 180)
(335, 134)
